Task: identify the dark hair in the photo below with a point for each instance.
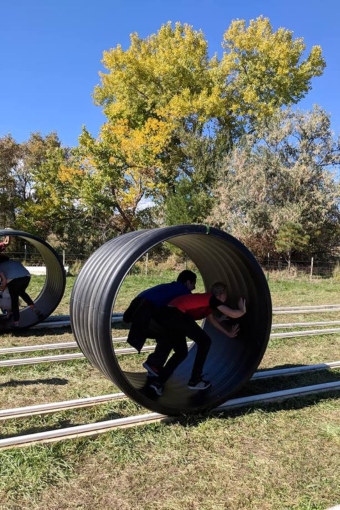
(186, 275)
(3, 257)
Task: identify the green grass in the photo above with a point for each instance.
(277, 456)
(284, 292)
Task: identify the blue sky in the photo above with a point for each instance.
(51, 52)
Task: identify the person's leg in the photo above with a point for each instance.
(169, 334)
(202, 340)
(14, 293)
(179, 345)
(22, 284)
(168, 319)
(161, 353)
(156, 360)
(203, 343)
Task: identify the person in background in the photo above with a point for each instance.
(16, 278)
(5, 304)
(179, 318)
(141, 311)
(4, 243)
(5, 298)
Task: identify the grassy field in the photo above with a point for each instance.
(278, 456)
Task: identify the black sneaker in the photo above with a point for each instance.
(157, 387)
(199, 385)
(152, 370)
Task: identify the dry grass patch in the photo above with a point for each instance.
(278, 457)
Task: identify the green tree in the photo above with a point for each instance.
(167, 102)
(49, 194)
(284, 174)
(262, 70)
(290, 238)
(10, 158)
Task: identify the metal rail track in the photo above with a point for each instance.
(64, 320)
(309, 307)
(18, 412)
(73, 345)
(120, 351)
(101, 427)
(61, 321)
(64, 357)
(105, 426)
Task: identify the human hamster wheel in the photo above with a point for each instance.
(54, 286)
(217, 256)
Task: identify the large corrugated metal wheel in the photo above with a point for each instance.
(217, 256)
(53, 288)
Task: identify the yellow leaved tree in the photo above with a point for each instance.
(173, 113)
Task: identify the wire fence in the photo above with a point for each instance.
(311, 268)
(308, 268)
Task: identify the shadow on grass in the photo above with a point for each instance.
(54, 380)
(57, 331)
(287, 382)
(289, 365)
(59, 424)
(258, 387)
(268, 408)
(269, 385)
(24, 333)
(252, 388)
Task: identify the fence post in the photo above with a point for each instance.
(146, 264)
(311, 268)
(64, 258)
(268, 267)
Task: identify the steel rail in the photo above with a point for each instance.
(64, 357)
(285, 325)
(278, 308)
(279, 372)
(131, 350)
(64, 320)
(49, 347)
(50, 324)
(73, 345)
(18, 412)
(307, 332)
(108, 425)
(305, 310)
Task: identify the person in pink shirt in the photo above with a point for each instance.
(179, 318)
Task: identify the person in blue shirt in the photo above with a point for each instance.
(140, 315)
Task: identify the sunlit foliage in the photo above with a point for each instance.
(165, 98)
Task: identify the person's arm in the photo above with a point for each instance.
(3, 281)
(231, 333)
(234, 313)
(222, 318)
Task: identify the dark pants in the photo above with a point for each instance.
(158, 357)
(139, 314)
(178, 327)
(17, 288)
